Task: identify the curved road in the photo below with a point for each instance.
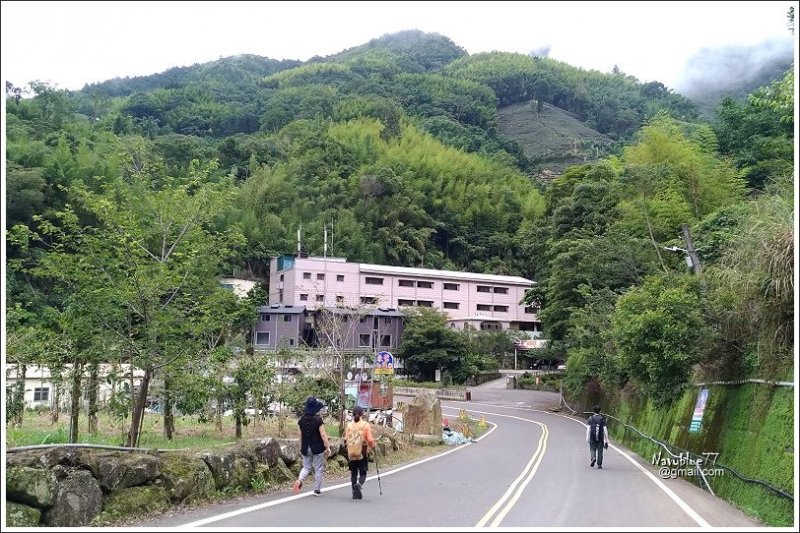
(530, 470)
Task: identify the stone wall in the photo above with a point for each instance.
(74, 486)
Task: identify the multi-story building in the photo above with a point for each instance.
(481, 301)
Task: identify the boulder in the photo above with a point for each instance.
(221, 467)
(32, 486)
(133, 501)
(290, 452)
(280, 473)
(129, 470)
(242, 473)
(78, 500)
(424, 415)
(268, 451)
(186, 478)
(19, 515)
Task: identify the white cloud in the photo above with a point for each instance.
(73, 43)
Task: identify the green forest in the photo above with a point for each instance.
(127, 199)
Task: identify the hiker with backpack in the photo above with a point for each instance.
(314, 445)
(358, 436)
(597, 437)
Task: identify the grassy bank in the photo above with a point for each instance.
(751, 426)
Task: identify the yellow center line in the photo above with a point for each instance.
(513, 492)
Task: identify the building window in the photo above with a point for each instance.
(304, 297)
(41, 394)
(340, 299)
(401, 303)
(262, 337)
(320, 277)
(364, 340)
(451, 305)
(501, 308)
(291, 342)
(281, 277)
(339, 277)
(264, 317)
(369, 300)
(405, 283)
(373, 281)
(306, 275)
(451, 286)
(425, 284)
(386, 340)
(424, 303)
(531, 310)
(387, 320)
(287, 318)
(320, 297)
(362, 319)
(501, 290)
(484, 307)
(484, 288)
(280, 296)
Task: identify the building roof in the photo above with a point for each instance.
(282, 309)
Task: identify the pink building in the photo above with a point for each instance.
(482, 301)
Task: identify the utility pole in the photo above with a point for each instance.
(687, 238)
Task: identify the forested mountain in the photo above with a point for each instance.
(125, 198)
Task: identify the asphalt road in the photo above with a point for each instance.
(531, 470)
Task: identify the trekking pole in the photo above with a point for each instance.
(380, 491)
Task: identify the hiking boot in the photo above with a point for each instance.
(317, 493)
(599, 467)
(357, 491)
(297, 486)
(592, 463)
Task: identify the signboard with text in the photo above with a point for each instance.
(699, 409)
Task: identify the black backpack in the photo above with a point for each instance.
(596, 424)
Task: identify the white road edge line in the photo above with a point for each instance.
(677, 499)
(230, 514)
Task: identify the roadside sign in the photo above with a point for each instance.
(384, 363)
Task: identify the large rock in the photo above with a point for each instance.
(19, 515)
(268, 451)
(242, 473)
(221, 467)
(186, 479)
(32, 486)
(129, 470)
(78, 500)
(424, 415)
(132, 501)
(281, 473)
(290, 452)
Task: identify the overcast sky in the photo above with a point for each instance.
(70, 44)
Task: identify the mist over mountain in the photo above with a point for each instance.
(714, 73)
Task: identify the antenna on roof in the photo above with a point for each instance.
(299, 228)
(325, 238)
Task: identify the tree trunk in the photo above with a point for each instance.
(75, 402)
(218, 416)
(138, 411)
(92, 410)
(54, 405)
(169, 421)
(239, 424)
(20, 391)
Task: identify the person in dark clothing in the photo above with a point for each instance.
(358, 467)
(597, 437)
(314, 445)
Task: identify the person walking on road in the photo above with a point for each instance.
(314, 445)
(358, 436)
(597, 437)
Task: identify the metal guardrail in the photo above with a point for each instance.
(669, 447)
(100, 446)
(743, 381)
(443, 393)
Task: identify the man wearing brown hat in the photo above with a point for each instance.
(314, 445)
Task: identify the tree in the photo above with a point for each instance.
(428, 344)
(659, 330)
